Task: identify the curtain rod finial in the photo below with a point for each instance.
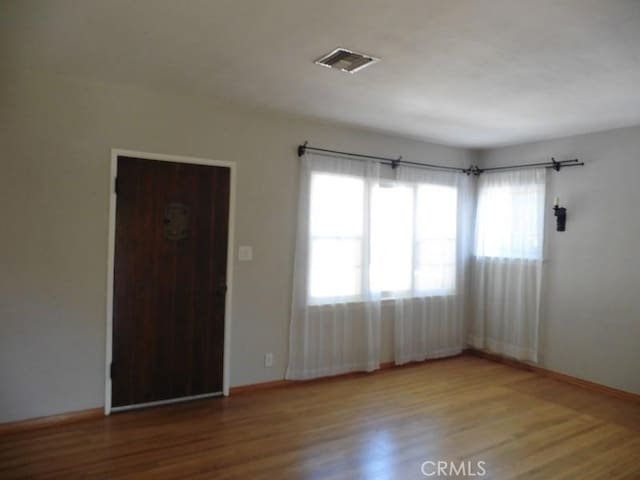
(302, 148)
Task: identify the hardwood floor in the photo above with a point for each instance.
(377, 426)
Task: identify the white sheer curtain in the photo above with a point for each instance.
(335, 313)
(402, 238)
(429, 217)
(507, 265)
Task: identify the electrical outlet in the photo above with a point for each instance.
(268, 359)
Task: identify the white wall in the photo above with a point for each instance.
(590, 325)
(55, 140)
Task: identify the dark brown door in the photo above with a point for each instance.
(169, 280)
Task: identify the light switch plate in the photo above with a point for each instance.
(245, 253)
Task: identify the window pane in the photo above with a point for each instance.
(336, 205)
(494, 223)
(436, 227)
(435, 266)
(437, 211)
(336, 269)
(391, 237)
(336, 224)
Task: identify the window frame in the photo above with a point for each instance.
(366, 245)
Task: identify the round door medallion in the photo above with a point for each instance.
(176, 221)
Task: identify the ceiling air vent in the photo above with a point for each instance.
(346, 60)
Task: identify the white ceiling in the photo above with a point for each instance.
(473, 73)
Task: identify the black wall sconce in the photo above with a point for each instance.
(561, 215)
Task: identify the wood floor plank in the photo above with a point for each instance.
(380, 426)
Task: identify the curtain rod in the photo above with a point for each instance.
(552, 164)
(394, 162)
(472, 170)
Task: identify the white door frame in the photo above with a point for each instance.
(115, 153)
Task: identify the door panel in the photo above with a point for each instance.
(169, 280)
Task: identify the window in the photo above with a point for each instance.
(396, 238)
(510, 216)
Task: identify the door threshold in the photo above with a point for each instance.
(165, 402)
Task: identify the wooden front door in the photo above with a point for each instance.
(170, 271)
